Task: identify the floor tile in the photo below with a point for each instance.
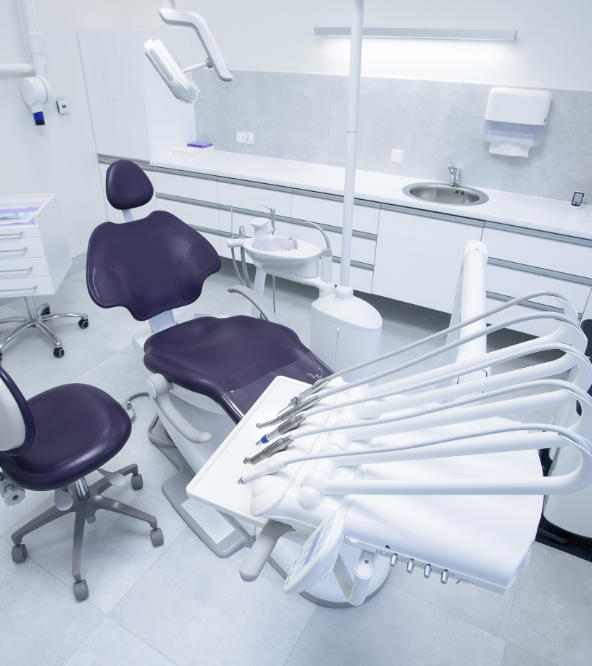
(110, 644)
(117, 549)
(213, 616)
(481, 607)
(517, 656)
(552, 613)
(42, 623)
(393, 628)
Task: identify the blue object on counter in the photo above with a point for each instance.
(199, 144)
(39, 118)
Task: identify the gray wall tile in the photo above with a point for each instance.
(303, 117)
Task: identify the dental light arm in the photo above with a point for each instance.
(172, 73)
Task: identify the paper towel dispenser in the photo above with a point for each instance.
(515, 119)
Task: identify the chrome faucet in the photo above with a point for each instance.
(271, 218)
(454, 173)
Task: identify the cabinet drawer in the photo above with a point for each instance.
(254, 198)
(28, 246)
(19, 268)
(514, 283)
(363, 249)
(184, 186)
(18, 232)
(30, 286)
(199, 216)
(331, 212)
(540, 252)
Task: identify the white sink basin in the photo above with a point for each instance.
(271, 253)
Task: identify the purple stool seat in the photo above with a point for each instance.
(78, 428)
(231, 360)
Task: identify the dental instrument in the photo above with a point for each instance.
(172, 73)
(375, 472)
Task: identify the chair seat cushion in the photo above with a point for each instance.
(78, 428)
(231, 360)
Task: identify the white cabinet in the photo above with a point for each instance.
(34, 257)
(254, 198)
(202, 189)
(329, 212)
(555, 255)
(418, 258)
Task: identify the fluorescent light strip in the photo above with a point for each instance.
(425, 33)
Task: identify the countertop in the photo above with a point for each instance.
(550, 215)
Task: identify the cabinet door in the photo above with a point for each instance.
(418, 258)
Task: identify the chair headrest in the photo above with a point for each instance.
(127, 186)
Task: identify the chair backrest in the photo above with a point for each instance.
(127, 186)
(148, 266)
(17, 428)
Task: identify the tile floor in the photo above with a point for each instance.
(179, 604)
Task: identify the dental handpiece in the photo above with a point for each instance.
(270, 450)
(288, 425)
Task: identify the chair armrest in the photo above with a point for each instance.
(251, 296)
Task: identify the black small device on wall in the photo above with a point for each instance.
(577, 199)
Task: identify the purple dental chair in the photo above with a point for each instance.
(51, 442)
(151, 266)
(158, 263)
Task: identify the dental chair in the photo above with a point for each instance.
(52, 442)
(206, 372)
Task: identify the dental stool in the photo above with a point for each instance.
(151, 266)
(51, 442)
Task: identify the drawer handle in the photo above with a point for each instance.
(20, 250)
(12, 236)
(19, 271)
(29, 290)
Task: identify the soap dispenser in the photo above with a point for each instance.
(515, 120)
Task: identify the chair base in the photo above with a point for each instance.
(36, 319)
(87, 500)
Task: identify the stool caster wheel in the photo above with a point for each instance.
(58, 352)
(83, 323)
(156, 537)
(80, 589)
(137, 481)
(46, 311)
(19, 553)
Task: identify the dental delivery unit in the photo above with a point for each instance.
(340, 480)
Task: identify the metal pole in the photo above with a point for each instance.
(355, 71)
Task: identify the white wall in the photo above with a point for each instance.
(554, 50)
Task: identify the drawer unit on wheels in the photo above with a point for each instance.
(418, 258)
(34, 259)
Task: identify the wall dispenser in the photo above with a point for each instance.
(515, 120)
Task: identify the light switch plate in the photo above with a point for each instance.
(397, 155)
(245, 137)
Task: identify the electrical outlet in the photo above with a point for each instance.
(245, 137)
(63, 106)
(397, 155)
